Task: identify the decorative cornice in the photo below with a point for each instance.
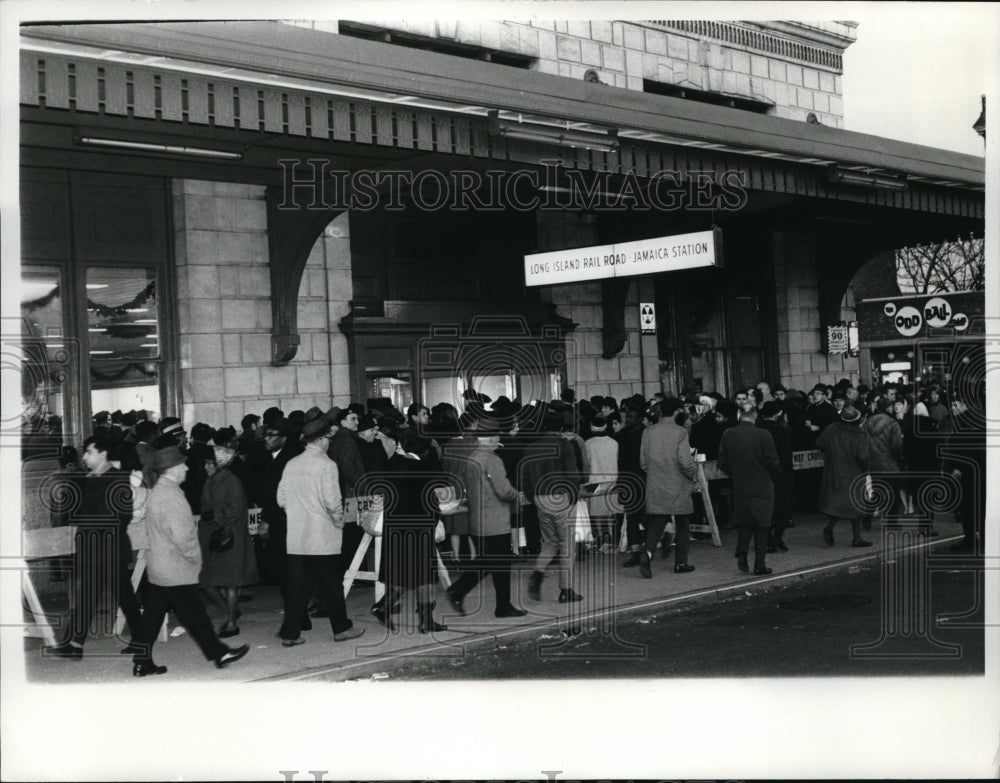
(748, 35)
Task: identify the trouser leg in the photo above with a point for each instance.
(298, 589)
(655, 525)
(328, 571)
(155, 607)
(499, 553)
(743, 535)
(760, 537)
(550, 536)
(682, 541)
(633, 520)
(189, 608)
(127, 601)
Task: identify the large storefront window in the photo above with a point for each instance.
(123, 340)
(394, 385)
(44, 354)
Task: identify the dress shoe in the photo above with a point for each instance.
(351, 633)
(827, 536)
(306, 625)
(509, 611)
(762, 571)
(567, 596)
(67, 652)
(632, 561)
(743, 565)
(455, 602)
(860, 542)
(644, 570)
(292, 642)
(225, 633)
(232, 654)
(683, 568)
(147, 668)
(782, 546)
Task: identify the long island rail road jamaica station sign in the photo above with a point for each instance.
(625, 259)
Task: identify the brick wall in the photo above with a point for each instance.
(636, 368)
(224, 309)
(624, 53)
(801, 360)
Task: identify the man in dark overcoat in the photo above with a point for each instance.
(748, 455)
(846, 451)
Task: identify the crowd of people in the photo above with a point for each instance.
(509, 483)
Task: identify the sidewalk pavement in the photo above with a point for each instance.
(602, 580)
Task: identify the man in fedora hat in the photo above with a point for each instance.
(281, 449)
(173, 565)
(309, 493)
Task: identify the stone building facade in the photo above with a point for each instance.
(266, 306)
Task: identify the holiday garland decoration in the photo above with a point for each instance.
(104, 311)
(114, 376)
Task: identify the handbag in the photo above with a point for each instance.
(222, 539)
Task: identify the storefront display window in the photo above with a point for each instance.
(123, 339)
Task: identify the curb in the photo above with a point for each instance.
(362, 669)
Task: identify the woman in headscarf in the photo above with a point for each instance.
(224, 504)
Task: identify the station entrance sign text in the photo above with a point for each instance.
(625, 259)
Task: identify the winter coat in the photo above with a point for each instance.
(887, 442)
(748, 455)
(665, 455)
(847, 457)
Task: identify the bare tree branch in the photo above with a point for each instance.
(957, 265)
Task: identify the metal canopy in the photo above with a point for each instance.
(270, 52)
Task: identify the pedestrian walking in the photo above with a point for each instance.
(172, 567)
(489, 495)
(224, 508)
(748, 455)
(846, 459)
(309, 493)
(665, 456)
(551, 483)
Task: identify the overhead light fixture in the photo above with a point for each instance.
(169, 149)
(599, 141)
(864, 179)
